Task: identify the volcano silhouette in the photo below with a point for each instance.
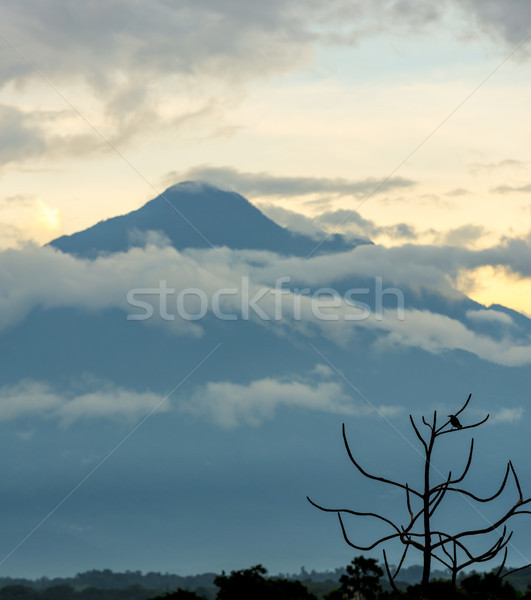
(197, 215)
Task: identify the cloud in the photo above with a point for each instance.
(121, 38)
(508, 189)
(352, 225)
(115, 403)
(349, 223)
(27, 398)
(21, 133)
(131, 68)
(225, 403)
(266, 184)
(10, 234)
(458, 192)
(509, 21)
(465, 235)
(353, 222)
(489, 316)
(231, 405)
(436, 333)
(508, 163)
(45, 278)
(292, 220)
(508, 415)
(104, 43)
(38, 399)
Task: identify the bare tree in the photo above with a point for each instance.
(451, 550)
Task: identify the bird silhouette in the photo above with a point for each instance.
(454, 422)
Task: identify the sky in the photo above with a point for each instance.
(408, 117)
(402, 122)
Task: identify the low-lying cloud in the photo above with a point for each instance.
(230, 404)
(38, 399)
(225, 403)
(45, 278)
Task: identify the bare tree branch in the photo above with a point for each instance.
(463, 427)
(365, 548)
(449, 549)
(468, 463)
(355, 513)
(368, 475)
(418, 433)
(512, 570)
(495, 495)
(389, 576)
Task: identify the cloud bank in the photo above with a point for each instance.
(45, 278)
(38, 399)
(224, 403)
(267, 184)
(149, 67)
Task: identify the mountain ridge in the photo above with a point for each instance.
(197, 215)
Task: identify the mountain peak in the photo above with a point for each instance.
(195, 214)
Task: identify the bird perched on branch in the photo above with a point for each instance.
(454, 422)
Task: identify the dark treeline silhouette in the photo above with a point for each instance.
(361, 580)
(106, 579)
(364, 580)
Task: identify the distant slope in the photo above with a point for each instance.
(196, 215)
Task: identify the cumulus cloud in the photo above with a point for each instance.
(508, 415)
(231, 405)
(225, 403)
(39, 399)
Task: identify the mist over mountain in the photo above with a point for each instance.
(206, 410)
(197, 215)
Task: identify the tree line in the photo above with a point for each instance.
(363, 579)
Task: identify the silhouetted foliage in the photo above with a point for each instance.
(486, 587)
(363, 577)
(252, 583)
(18, 592)
(62, 592)
(179, 594)
(435, 590)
